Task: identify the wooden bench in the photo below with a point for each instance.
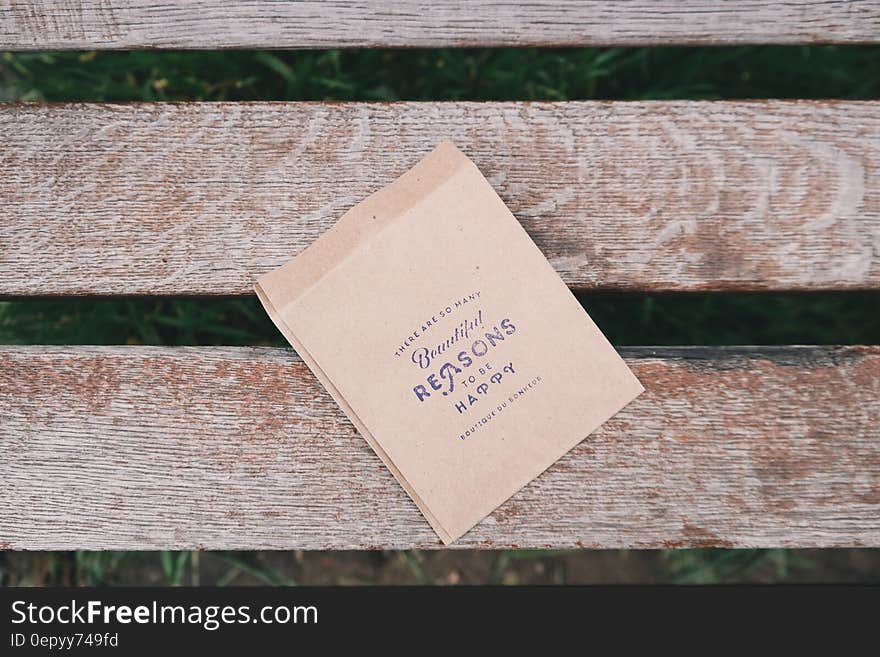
(240, 448)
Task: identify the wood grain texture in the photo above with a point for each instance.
(200, 199)
(241, 448)
(109, 24)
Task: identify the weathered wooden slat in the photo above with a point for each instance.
(200, 199)
(99, 24)
(147, 448)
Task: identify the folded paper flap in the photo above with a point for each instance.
(361, 222)
(278, 320)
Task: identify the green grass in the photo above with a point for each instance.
(500, 74)
(385, 75)
(672, 319)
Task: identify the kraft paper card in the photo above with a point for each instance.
(448, 340)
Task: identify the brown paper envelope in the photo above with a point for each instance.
(431, 286)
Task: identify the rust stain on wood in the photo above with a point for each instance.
(698, 537)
